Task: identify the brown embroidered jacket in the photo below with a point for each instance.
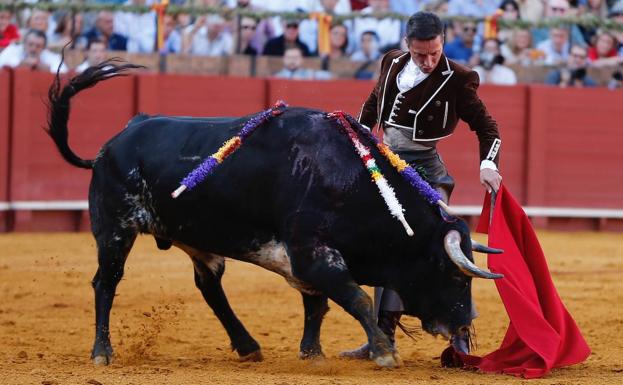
(431, 110)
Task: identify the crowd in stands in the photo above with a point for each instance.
(33, 37)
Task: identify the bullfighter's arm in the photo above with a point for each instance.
(473, 111)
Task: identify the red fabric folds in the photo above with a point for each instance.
(542, 334)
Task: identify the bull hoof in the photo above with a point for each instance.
(102, 360)
(255, 356)
(361, 353)
(390, 361)
(311, 354)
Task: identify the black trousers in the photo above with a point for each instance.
(431, 167)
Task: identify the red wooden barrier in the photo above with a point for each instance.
(5, 119)
(559, 147)
(38, 173)
(574, 151)
(346, 95)
(507, 105)
(200, 95)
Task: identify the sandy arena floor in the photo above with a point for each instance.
(164, 333)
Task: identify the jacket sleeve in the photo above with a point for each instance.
(473, 111)
(368, 115)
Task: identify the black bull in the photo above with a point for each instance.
(295, 199)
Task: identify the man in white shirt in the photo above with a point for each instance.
(32, 54)
(418, 100)
(491, 68)
(208, 37)
(293, 67)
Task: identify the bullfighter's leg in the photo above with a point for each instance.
(315, 309)
(324, 269)
(113, 247)
(208, 272)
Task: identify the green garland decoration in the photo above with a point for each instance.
(588, 21)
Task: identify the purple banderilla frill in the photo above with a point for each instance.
(201, 172)
(408, 172)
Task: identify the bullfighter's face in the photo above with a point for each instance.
(426, 53)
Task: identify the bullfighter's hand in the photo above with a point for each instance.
(490, 179)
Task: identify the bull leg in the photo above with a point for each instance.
(208, 272)
(315, 309)
(324, 269)
(113, 249)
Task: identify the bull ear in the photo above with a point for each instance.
(452, 244)
(480, 248)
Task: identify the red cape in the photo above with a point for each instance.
(541, 334)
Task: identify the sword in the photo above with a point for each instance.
(494, 195)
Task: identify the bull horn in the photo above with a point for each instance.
(478, 247)
(452, 244)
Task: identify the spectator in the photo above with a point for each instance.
(556, 9)
(95, 53)
(246, 31)
(461, 49)
(369, 50)
(39, 19)
(574, 72)
(139, 28)
(604, 52)
(308, 29)
(510, 12)
(491, 69)
(408, 7)
(519, 49)
(616, 15)
(32, 54)
(597, 8)
(478, 9)
(556, 48)
(338, 41)
(616, 81)
(594, 8)
(290, 38)
(338, 7)
(171, 35)
(293, 67)
(68, 29)
(388, 29)
(8, 32)
(439, 7)
(103, 29)
(208, 37)
(358, 5)
(264, 30)
(531, 10)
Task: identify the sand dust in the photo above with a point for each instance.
(164, 333)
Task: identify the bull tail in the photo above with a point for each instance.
(59, 103)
